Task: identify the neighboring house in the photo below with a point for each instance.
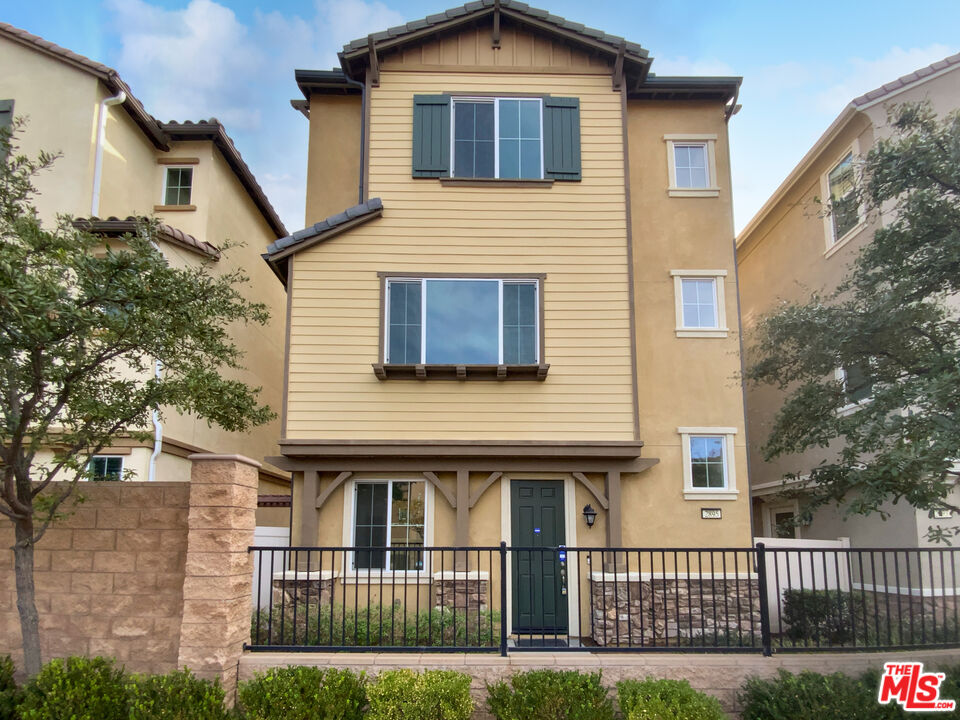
(515, 297)
(117, 163)
(791, 248)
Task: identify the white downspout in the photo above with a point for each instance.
(117, 99)
(157, 432)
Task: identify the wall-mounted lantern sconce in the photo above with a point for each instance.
(590, 515)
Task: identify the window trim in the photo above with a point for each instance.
(167, 167)
(831, 246)
(709, 142)
(105, 457)
(350, 574)
(718, 277)
(729, 492)
(495, 100)
(840, 374)
(384, 370)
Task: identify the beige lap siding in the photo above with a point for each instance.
(575, 232)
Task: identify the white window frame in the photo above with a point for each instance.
(423, 313)
(831, 246)
(105, 457)
(706, 140)
(352, 575)
(193, 184)
(495, 101)
(690, 492)
(719, 279)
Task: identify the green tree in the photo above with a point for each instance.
(889, 325)
(81, 328)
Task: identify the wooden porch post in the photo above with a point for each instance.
(309, 522)
(614, 520)
(462, 536)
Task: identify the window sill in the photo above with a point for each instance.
(717, 494)
(496, 182)
(847, 237)
(389, 371)
(702, 332)
(394, 578)
(851, 408)
(174, 208)
(695, 193)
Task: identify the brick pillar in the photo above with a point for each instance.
(216, 586)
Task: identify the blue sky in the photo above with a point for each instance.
(234, 59)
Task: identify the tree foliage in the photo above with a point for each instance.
(82, 323)
(890, 325)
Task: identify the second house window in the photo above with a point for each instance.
(462, 321)
(178, 186)
(497, 138)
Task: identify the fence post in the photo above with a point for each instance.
(764, 607)
(503, 599)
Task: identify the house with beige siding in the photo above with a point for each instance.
(118, 163)
(513, 308)
(793, 247)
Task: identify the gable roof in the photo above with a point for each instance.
(159, 133)
(851, 110)
(114, 227)
(356, 53)
(277, 252)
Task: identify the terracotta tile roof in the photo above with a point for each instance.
(902, 82)
(114, 226)
(160, 134)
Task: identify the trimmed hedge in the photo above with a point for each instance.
(812, 696)
(10, 694)
(653, 699)
(304, 693)
(76, 688)
(430, 695)
(550, 695)
(175, 696)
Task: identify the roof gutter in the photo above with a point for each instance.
(117, 99)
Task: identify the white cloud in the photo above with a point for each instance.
(860, 75)
(346, 20)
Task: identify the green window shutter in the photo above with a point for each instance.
(431, 136)
(561, 138)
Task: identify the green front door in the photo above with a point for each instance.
(539, 597)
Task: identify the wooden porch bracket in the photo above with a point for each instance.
(322, 498)
(435, 481)
(494, 476)
(594, 490)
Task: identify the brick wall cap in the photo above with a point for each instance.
(211, 457)
(462, 575)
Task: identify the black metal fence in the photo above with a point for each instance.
(500, 599)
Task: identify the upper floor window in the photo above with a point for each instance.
(857, 384)
(700, 303)
(106, 467)
(177, 185)
(691, 160)
(462, 321)
(497, 138)
(844, 211)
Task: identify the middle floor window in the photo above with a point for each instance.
(497, 138)
(462, 321)
(389, 518)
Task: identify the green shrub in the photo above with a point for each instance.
(550, 695)
(304, 693)
(10, 694)
(826, 617)
(375, 625)
(177, 696)
(652, 699)
(431, 695)
(76, 689)
(811, 696)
